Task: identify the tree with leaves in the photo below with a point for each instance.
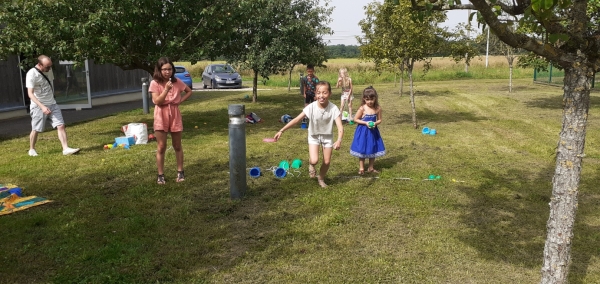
(461, 45)
(571, 30)
(501, 48)
(392, 36)
(282, 34)
(131, 34)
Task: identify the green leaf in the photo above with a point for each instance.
(553, 38)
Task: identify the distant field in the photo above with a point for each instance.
(442, 68)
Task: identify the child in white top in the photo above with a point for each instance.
(321, 114)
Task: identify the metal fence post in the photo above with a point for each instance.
(145, 94)
(237, 151)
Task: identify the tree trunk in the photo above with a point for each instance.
(565, 183)
(510, 72)
(402, 76)
(290, 79)
(410, 65)
(510, 57)
(255, 86)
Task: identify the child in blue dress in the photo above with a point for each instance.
(367, 141)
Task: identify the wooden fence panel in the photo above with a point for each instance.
(107, 78)
(12, 88)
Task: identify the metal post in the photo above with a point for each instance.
(301, 84)
(145, 94)
(237, 151)
(487, 48)
(302, 87)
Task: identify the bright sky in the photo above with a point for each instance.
(347, 14)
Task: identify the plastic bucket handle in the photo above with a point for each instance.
(284, 164)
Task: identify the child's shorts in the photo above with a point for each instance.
(309, 98)
(321, 139)
(38, 118)
(347, 96)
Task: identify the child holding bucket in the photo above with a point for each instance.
(345, 82)
(367, 142)
(321, 114)
(166, 94)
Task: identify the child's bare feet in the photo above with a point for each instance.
(321, 182)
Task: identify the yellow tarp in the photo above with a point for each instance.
(10, 203)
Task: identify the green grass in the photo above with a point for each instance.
(110, 222)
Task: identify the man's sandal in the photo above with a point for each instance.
(161, 179)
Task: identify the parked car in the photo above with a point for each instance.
(182, 74)
(221, 76)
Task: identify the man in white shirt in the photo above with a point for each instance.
(43, 106)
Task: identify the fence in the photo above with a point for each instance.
(553, 76)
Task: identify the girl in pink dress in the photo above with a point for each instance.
(166, 94)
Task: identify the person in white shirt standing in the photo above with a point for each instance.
(43, 106)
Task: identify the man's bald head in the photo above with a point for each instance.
(44, 63)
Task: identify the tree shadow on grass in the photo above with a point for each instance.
(507, 216)
(178, 232)
(425, 116)
(586, 239)
(438, 93)
(556, 102)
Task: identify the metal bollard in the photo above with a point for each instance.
(237, 151)
(145, 95)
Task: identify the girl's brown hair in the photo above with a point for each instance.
(157, 76)
(324, 83)
(370, 93)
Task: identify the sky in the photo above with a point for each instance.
(347, 14)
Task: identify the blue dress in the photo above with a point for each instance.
(367, 142)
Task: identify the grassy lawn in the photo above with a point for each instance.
(484, 221)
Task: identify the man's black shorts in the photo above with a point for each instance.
(309, 98)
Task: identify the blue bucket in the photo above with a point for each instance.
(280, 172)
(255, 172)
(432, 132)
(16, 190)
(425, 130)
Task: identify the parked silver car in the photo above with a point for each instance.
(221, 76)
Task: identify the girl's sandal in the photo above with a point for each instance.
(161, 179)
(180, 176)
(374, 171)
(361, 172)
(311, 171)
(322, 183)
